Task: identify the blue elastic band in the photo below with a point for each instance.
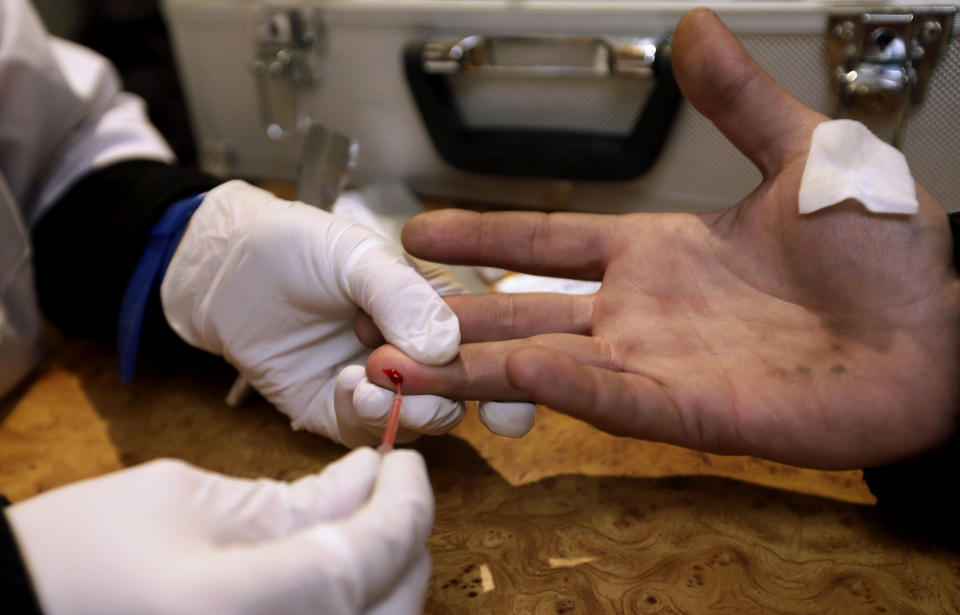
(161, 244)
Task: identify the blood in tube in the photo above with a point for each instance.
(393, 417)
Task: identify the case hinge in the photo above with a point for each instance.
(882, 60)
(285, 67)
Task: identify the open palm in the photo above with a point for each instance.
(826, 340)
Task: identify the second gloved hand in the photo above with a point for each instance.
(168, 538)
(274, 286)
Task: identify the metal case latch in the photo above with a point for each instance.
(882, 61)
(284, 66)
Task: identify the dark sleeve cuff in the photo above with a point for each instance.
(87, 244)
(917, 494)
(16, 591)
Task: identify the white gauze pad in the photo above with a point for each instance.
(847, 161)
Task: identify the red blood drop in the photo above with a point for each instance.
(395, 376)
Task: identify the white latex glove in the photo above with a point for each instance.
(508, 418)
(168, 538)
(274, 285)
(385, 208)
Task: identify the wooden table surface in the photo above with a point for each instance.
(564, 521)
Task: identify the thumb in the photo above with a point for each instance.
(439, 277)
(721, 80)
(403, 305)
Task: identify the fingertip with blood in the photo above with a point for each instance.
(389, 357)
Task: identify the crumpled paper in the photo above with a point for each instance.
(847, 161)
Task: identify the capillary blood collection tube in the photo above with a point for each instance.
(393, 416)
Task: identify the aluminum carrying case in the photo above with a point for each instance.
(548, 104)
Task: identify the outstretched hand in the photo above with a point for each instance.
(826, 340)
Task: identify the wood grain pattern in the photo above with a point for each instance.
(580, 544)
(565, 521)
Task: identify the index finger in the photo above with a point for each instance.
(568, 245)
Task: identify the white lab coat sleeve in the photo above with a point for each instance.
(62, 113)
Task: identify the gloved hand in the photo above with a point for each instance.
(273, 286)
(385, 208)
(168, 538)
